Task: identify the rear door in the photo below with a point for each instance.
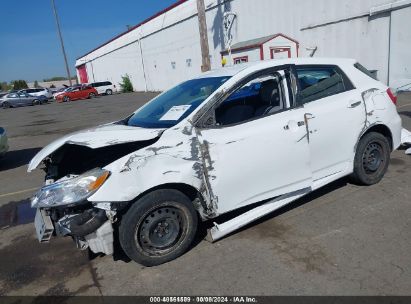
(335, 115)
(254, 142)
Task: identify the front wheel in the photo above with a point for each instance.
(109, 92)
(371, 159)
(6, 105)
(66, 99)
(158, 228)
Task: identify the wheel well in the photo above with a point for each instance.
(191, 192)
(384, 130)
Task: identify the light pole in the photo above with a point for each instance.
(61, 41)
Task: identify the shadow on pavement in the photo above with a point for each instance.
(17, 158)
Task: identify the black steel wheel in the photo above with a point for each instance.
(160, 230)
(372, 159)
(158, 227)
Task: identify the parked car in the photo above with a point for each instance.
(4, 147)
(104, 87)
(61, 91)
(13, 100)
(77, 93)
(254, 137)
(44, 93)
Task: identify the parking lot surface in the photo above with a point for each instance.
(340, 240)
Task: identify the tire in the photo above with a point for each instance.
(36, 102)
(371, 159)
(158, 228)
(66, 99)
(91, 95)
(6, 105)
(109, 92)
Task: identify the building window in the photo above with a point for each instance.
(280, 52)
(240, 60)
(173, 65)
(188, 62)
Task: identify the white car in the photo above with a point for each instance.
(40, 92)
(104, 87)
(255, 136)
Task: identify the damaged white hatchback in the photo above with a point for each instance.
(254, 136)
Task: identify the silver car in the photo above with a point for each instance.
(4, 147)
(13, 100)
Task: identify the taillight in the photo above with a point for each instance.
(392, 96)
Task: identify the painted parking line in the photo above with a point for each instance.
(407, 105)
(18, 192)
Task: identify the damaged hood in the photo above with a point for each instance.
(107, 135)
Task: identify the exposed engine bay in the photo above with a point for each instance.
(89, 224)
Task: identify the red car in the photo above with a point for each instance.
(77, 93)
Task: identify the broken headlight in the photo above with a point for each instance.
(70, 191)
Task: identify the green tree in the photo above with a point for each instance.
(4, 86)
(36, 84)
(19, 85)
(126, 85)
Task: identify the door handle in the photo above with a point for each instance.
(354, 104)
(294, 125)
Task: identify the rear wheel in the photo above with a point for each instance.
(371, 159)
(158, 228)
(91, 95)
(36, 102)
(109, 92)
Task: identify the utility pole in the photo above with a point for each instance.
(61, 41)
(202, 25)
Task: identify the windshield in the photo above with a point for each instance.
(174, 105)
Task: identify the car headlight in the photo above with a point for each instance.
(70, 191)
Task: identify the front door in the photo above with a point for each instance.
(335, 116)
(257, 147)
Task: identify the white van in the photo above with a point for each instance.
(104, 87)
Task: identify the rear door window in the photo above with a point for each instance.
(317, 82)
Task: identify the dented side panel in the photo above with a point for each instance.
(174, 158)
(335, 124)
(256, 160)
(381, 111)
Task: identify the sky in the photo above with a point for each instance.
(29, 45)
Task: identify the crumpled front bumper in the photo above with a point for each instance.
(90, 229)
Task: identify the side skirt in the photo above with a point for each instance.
(220, 230)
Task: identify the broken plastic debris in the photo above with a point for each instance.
(406, 139)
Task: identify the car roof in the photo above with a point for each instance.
(233, 70)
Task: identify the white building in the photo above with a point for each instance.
(165, 49)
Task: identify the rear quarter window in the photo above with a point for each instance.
(317, 82)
